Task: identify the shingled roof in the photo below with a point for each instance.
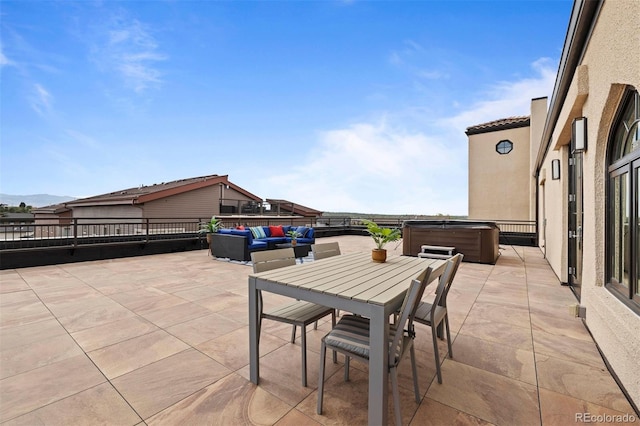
(146, 193)
(291, 207)
(502, 124)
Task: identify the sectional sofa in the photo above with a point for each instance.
(237, 244)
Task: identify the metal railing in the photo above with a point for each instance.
(75, 232)
(232, 206)
(517, 226)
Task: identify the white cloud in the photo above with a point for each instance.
(508, 98)
(4, 61)
(417, 61)
(372, 167)
(380, 167)
(83, 140)
(40, 100)
(129, 48)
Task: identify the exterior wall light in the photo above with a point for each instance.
(555, 169)
(579, 134)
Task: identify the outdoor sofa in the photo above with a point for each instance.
(238, 244)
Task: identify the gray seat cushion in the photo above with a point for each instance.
(351, 334)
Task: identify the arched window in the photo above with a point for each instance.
(623, 204)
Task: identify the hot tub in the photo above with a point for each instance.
(478, 241)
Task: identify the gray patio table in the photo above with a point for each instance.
(351, 283)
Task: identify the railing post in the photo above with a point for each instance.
(75, 232)
(147, 234)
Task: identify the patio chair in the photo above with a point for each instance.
(297, 313)
(324, 250)
(351, 338)
(434, 318)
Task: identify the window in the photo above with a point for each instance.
(623, 201)
(504, 147)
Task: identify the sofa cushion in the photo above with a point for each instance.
(242, 233)
(258, 232)
(302, 231)
(276, 231)
(257, 245)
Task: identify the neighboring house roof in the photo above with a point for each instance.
(144, 193)
(52, 209)
(289, 206)
(16, 217)
(502, 124)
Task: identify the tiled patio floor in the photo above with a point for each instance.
(164, 340)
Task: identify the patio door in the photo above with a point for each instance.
(575, 223)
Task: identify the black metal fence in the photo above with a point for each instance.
(118, 237)
(75, 232)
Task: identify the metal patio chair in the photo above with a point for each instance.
(434, 318)
(298, 313)
(351, 338)
(324, 250)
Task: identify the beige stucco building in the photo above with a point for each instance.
(584, 178)
(501, 155)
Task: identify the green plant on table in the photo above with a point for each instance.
(382, 235)
(294, 235)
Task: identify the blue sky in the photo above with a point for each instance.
(352, 106)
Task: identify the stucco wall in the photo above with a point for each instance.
(552, 214)
(536, 129)
(496, 181)
(612, 60)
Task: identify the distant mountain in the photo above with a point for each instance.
(37, 200)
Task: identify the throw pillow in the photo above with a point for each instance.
(276, 231)
(258, 232)
(302, 230)
(240, 227)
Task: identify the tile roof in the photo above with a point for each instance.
(501, 124)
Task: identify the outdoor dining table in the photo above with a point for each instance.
(351, 283)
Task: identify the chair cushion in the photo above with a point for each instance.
(298, 312)
(351, 334)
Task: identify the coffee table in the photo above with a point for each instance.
(300, 250)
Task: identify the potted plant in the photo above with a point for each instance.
(294, 236)
(381, 236)
(210, 227)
